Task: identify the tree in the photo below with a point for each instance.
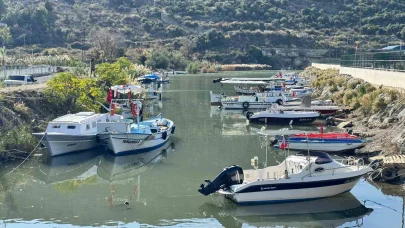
(71, 93)
(106, 42)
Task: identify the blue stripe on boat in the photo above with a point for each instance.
(298, 185)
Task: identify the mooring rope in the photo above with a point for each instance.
(26, 157)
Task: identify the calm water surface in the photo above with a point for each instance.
(160, 187)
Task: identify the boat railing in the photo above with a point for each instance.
(347, 162)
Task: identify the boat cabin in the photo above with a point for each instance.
(76, 124)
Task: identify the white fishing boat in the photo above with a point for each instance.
(276, 115)
(151, 93)
(298, 178)
(73, 132)
(258, 101)
(126, 138)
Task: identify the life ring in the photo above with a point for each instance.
(279, 102)
(245, 104)
(248, 115)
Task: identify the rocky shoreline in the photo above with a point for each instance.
(376, 112)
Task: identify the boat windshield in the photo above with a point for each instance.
(322, 158)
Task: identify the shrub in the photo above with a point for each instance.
(18, 138)
(393, 95)
(21, 108)
(379, 104)
(193, 67)
(366, 104)
(347, 97)
(333, 88)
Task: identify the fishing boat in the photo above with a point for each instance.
(328, 142)
(122, 97)
(275, 115)
(125, 137)
(258, 101)
(298, 178)
(73, 132)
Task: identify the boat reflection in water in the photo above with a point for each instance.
(126, 170)
(78, 166)
(329, 212)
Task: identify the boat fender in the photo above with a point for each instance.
(257, 99)
(173, 128)
(160, 96)
(164, 135)
(388, 174)
(279, 102)
(273, 142)
(98, 139)
(245, 104)
(248, 115)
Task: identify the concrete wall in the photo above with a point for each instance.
(377, 77)
(323, 66)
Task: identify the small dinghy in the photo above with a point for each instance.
(274, 115)
(329, 142)
(297, 178)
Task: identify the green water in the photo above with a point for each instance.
(159, 188)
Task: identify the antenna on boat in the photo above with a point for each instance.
(309, 157)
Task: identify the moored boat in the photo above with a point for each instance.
(125, 138)
(277, 116)
(297, 178)
(258, 101)
(73, 132)
(328, 142)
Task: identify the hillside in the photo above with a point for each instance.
(228, 31)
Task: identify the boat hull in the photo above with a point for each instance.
(215, 98)
(336, 147)
(127, 143)
(283, 120)
(323, 110)
(58, 144)
(295, 192)
(252, 105)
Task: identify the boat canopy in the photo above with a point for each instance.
(124, 89)
(245, 82)
(151, 76)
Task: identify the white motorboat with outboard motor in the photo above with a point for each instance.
(318, 177)
(73, 132)
(276, 115)
(298, 178)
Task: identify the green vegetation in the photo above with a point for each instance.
(170, 33)
(68, 92)
(18, 138)
(351, 92)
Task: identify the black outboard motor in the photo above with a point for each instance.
(229, 176)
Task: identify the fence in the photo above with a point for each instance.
(334, 61)
(392, 61)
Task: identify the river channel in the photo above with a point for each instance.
(159, 188)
